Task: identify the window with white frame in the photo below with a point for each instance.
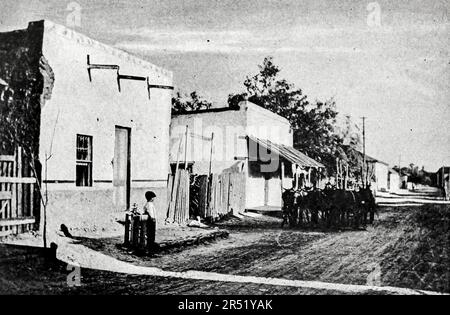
(84, 161)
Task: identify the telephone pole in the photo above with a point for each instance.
(364, 152)
(186, 148)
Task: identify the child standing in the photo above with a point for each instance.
(149, 209)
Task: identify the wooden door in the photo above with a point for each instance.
(122, 166)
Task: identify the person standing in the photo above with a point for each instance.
(150, 210)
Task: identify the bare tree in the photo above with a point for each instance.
(43, 190)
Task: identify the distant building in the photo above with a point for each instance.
(249, 139)
(442, 175)
(404, 178)
(381, 173)
(394, 181)
(378, 171)
(102, 120)
(443, 180)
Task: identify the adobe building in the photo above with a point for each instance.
(380, 172)
(394, 183)
(442, 178)
(95, 118)
(246, 138)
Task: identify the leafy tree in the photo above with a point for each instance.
(416, 175)
(350, 145)
(191, 102)
(314, 124)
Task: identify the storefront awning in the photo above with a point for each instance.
(289, 153)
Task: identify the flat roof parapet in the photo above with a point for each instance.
(85, 40)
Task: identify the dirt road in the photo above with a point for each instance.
(383, 255)
(266, 252)
(345, 257)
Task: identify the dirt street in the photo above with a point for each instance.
(269, 251)
(259, 247)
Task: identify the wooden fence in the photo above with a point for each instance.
(17, 196)
(198, 194)
(179, 185)
(210, 198)
(227, 194)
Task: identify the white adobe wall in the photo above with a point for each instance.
(266, 125)
(228, 128)
(255, 192)
(78, 106)
(394, 182)
(381, 174)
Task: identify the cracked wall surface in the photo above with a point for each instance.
(20, 108)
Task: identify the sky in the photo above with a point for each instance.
(386, 60)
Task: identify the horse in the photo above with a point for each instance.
(312, 206)
(368, 204)
(331, 207)
(345, 208)
(289, 209)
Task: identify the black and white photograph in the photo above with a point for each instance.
(224, 153)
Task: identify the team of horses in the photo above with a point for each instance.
(330, 208)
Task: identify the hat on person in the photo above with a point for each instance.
(149, 195)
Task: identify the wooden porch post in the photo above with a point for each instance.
(309, 177)
(346, 177)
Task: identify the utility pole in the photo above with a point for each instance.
(209, 181)
(364, 152)
(211, 155)
(186, 147)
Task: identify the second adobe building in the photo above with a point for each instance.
(248, 139)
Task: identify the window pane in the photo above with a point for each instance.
(84, 148)
(84, 153)
(83, 171)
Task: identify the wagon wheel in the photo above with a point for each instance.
(284, 240)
